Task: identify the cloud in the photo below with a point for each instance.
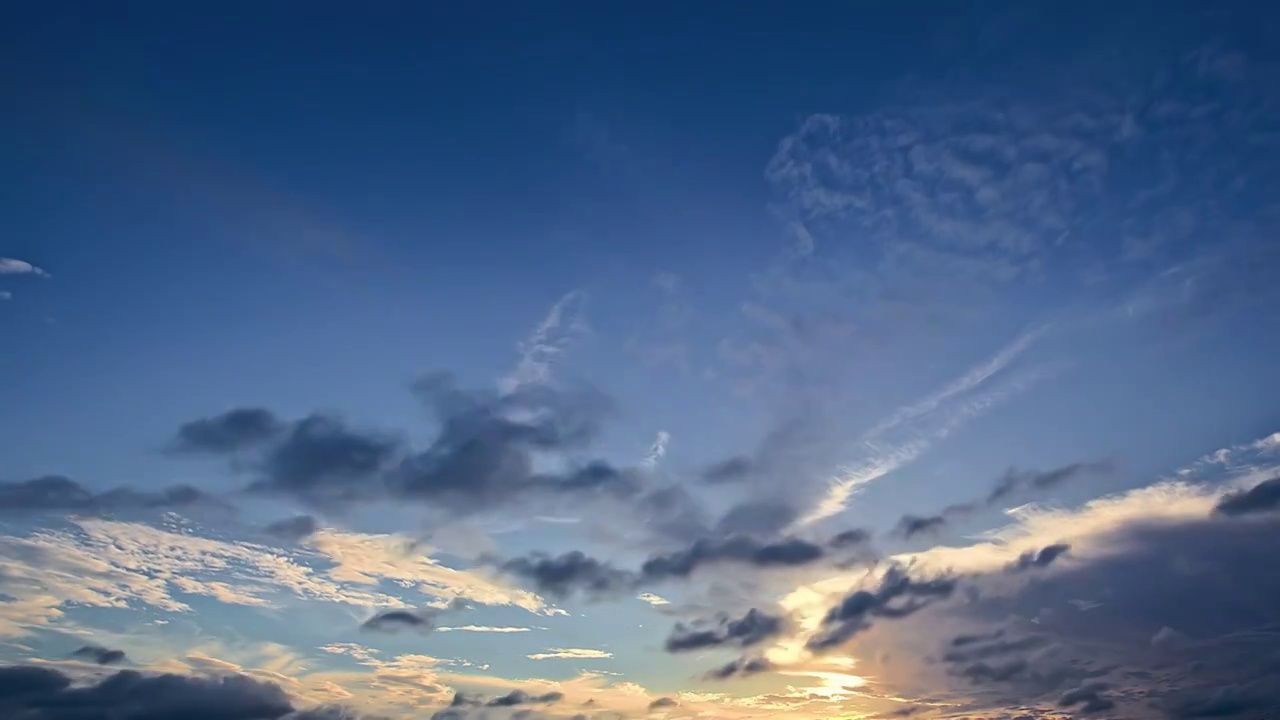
(856, 611)
(5, 295)
(911, 525)
(559, 653)
(99, 654)
(500, 629)
(55, 493)
(1040, 558)
(396, 620)
(368, 559)
(563, 575)
(520, 697)
(110, 564)
(909, 431)
(789, 552)
(741, 667)
(549, 339)
(12, 266)
(652, 599)
(1261, 498)
(849, 538)
(657, 450)
(483, 455)
(42, 693)
(751, 629)
(1015, 481)
(663, 702)
(294, 528)
(232, 431)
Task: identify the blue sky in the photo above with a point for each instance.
(978, 280)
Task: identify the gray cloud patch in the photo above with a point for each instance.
(38, 693)
(99, 654)
(482, 455)
(751, 629)
(1014, 481)
(897, 596)
(293, 529)
(396, 620)
(563, 575)
(1261, 498)
(55, 493)
(742, 667)
(737, 549)
(232, 431)
(1043, 557)
(520, 697)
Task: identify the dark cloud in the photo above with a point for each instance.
(1088, 697)
(911, 525)
(1184, 617)
(663, 702)
(994, 648)
(742, 667)
(396, 620)
(482, 454)
(55, 493)
(1257, 699)
(230, 432)
(1014, 481)
(764, 518)
(981, 672)
(294, 528)
(99, 654)
(752, 628)
(520, 697)
(37, 693)
(897, 596)
(322, 461)
(731, 470)
(1043, 557)
(965, 640)
(1261, 498)
(849, 538)
(737, 549)
(563, 575)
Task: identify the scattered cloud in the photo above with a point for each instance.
(99, 654)
(548, 341)
(751, 629)
(13, 266)
(559, 653)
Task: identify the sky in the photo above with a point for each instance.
(669, 360)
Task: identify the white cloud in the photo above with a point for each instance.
(501, 629)
(548, 341)
(12, 266)
(652, 599)
(909, 431)
(657, 450)
(369, 559)
(570, 654)
(109, 564)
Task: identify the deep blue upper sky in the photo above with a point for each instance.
(883, 251)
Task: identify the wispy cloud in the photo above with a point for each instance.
(501, 629)
(548, 341)
(13, 266)
(559, 653)
(657, 450)
(911, 430)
